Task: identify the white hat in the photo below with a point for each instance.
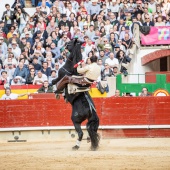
(85, 23)
(113, 0)
(14, 33)
(94, 0)
(18, 77)
(107, 46)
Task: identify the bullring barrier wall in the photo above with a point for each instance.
(119, 117)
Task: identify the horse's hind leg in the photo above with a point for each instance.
(80, 135)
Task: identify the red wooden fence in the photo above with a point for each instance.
(112, 111)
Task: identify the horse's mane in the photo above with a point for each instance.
(76, 55)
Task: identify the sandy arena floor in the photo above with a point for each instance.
(123, 154)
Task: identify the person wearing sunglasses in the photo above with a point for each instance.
(148, 22)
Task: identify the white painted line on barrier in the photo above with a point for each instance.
(84, 127)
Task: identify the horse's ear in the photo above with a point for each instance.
(75, 41)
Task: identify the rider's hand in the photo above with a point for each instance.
(83, 64)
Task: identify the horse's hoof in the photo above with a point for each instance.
(75, 148)
(94, 148)
(57, 96)
(53, 82)
(88, 140)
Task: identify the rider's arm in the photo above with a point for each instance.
(83, 69)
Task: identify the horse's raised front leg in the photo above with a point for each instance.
(54, 81)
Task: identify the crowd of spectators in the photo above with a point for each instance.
(32, 47)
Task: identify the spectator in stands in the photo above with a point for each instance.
(22, 18)
(146, 13)
(35, 63)
(90, 32)
(62, 42)
(38, 54)
(16, 49)
(168, 21)
(3, 49)
(102, 57)
(55, 50)
(18, 3)
(28, 37)
(23, 43)
(57, 68)
(52, 76)
(30, 77)
(112, 40)
(11, 31)
(127, 94)
(107, 72)
(14, 38)
(88, 46)
(45, 69)
(64, 21)
(10, 59)
(94, 9)
(145, 92)
(39, 78)
(127, 41)
(21, 71)
(99, 21)
(123, 62)
(18, 80)
(4, 78)
(10, 71)
(148, 21)
(46, 88)
(8, 16)
(152, 5)
(61, 62)
(99, 62)
(112, 61)
(117, 93)
(10, 96)
(159, 22)
(50, 27)
(115, 70)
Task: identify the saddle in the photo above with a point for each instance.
(80, 83)
(72, 89)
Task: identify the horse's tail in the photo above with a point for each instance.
(92, 127)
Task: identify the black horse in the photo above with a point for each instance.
(82, 105)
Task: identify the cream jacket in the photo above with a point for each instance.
(92, 71)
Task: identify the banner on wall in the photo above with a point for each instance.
(157, 36)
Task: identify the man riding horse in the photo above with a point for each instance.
(83, 107)
(90, 74)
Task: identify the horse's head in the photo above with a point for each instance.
(74, 47)
(71, 44)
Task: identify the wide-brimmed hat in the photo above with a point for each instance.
(14, 33)
(14, 42)
(107, 46)
(63, 15)
(94, 0)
